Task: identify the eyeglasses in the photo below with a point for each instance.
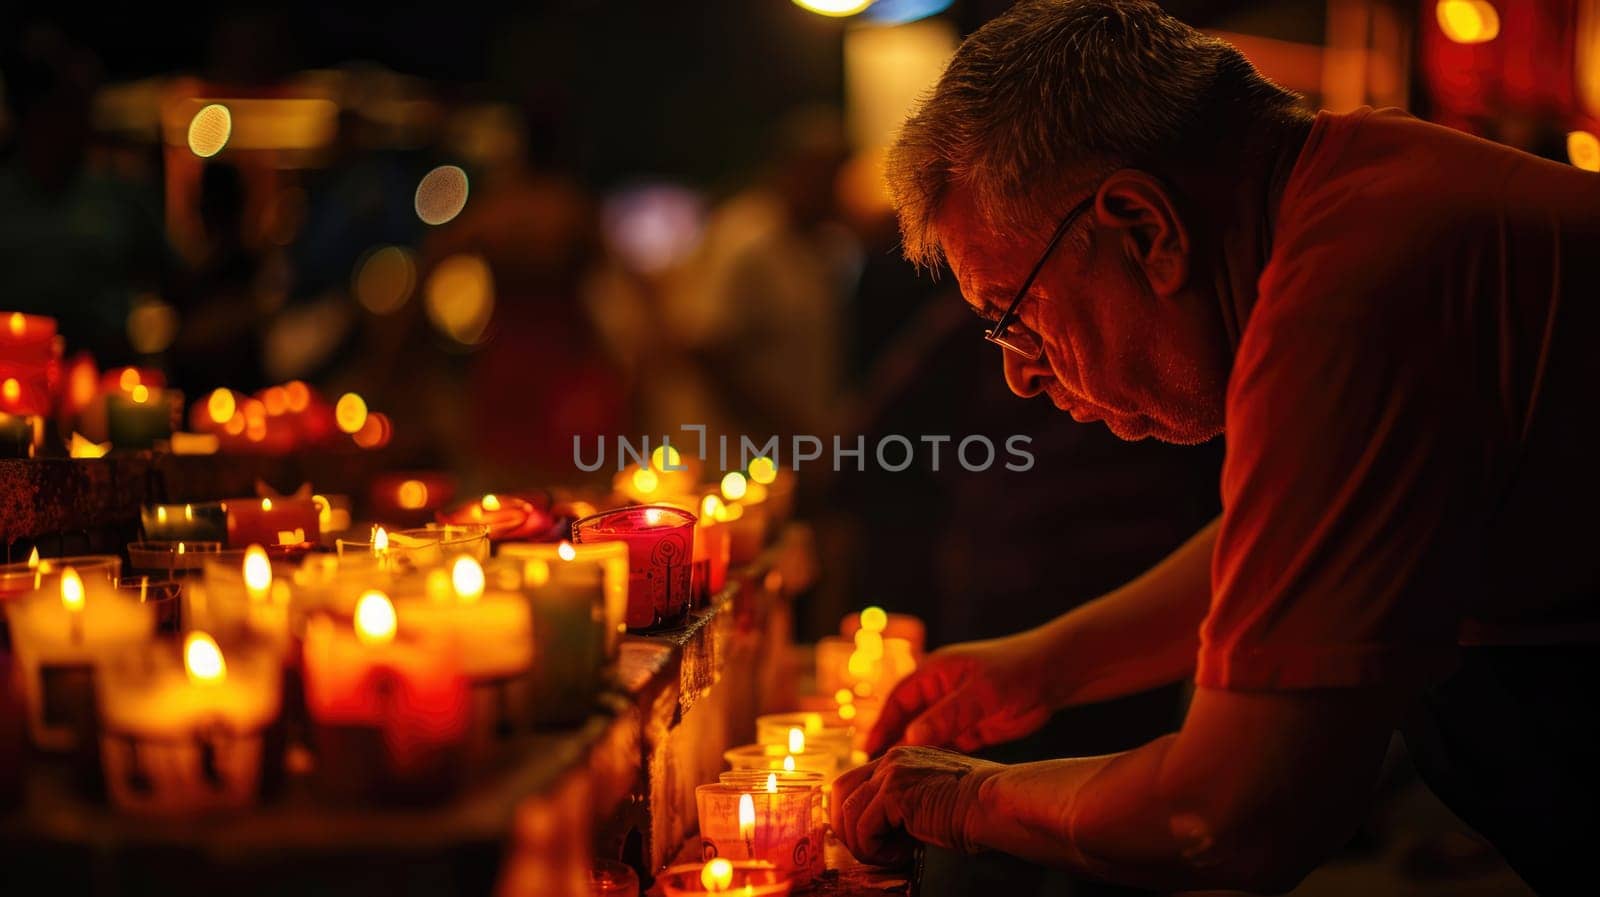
(1020, 339)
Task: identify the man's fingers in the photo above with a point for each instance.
(844, 787)
(942, 723)
(908, 699)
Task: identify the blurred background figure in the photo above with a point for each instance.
(762, 307)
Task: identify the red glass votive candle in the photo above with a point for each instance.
(272, 521)
(660, 542)
(30, 363)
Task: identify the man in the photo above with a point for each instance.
(1393, 324)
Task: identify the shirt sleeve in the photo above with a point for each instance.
(1348, 499)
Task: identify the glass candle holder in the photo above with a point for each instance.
(660, 542)
(900, 626)
(19, 578)
(567, 600)
(484, 615)
(568, 563)
(163, 596)
(389, 714)
(805, 729)
(172, 559)
(775, 825)
(506, 516)
(183, 726)
(242, 598)
(768, 757)
(188, 522)
(143, 417)
(743, 879)
(272, 521)
(451, 539)
(60, 632)
(609, 878)
(21, 435)
(759, 779)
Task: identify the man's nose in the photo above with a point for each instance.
(1025, 377)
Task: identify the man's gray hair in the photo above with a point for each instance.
(1054, 92)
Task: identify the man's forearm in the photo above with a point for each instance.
(1140, 636)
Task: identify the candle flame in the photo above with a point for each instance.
(747, 817)
(566, 551)
(266, 504)
(874, 619)
(202, 659)
(490, 503)
(717, 875)
(33, 558)
(645, 480)
(161, 515)
(140, 394)
(257, 572)
(71, 590)
(180, 548)
(11, 389)
(652, 516)
(763, 470)
(788, 763)
(797, 740)
(844, 696)
(467, 577)
(772, 783)
(188, 512)
(734, 486)
(380, 540)
(375, 619)
(18, 323)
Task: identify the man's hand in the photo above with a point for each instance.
(917, 793)
(970, 696)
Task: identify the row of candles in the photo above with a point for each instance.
(400, 657)
(133, 408)
(764, 823)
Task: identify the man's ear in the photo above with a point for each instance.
(1140, 206)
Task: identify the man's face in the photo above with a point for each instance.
(1114, 350)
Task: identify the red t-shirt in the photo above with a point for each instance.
(1413, 449)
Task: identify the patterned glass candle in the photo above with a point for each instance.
(185, 734)
(660, 542)
(61, 632)
(775, 823)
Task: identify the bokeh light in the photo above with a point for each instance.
(375, 433)
(1468, 21)
(460, 298)
(209, 130)
(298, 394)
(221, 406)
(385, 278)
(1583, 150)
(412, 495)
(442, 194)
(833, 7)
(350, 413)
(152, 326)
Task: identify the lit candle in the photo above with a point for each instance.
(506, 516)
(775, 824)
(660, 544)
(742, 878)
(141, 416)
(770, 780)
(283, 521)
(185, 735)
(30, 363)
(795, 731)
(779, 484)
(711, 546)
(242, 596)
(875, 619)
(745, 515)
(489, 623)
(389, 714)
(172, 559)
(772, 757)
(569, 629)
(21, 435)
(188, 522)
(579, 565)
(61, 630)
